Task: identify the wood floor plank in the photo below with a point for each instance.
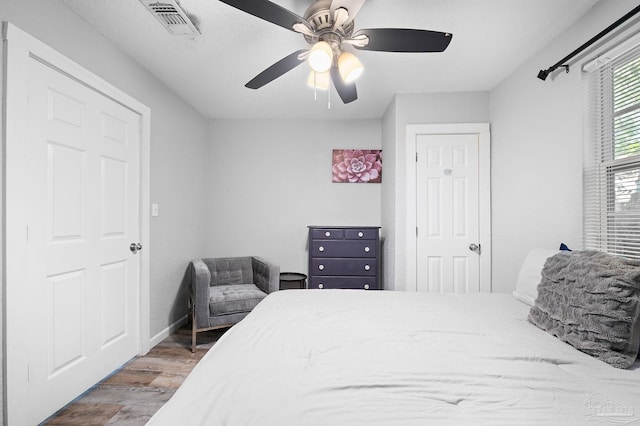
(128, 377)
(137, 415)
(167, 380)
(175, 365)
(86, 414)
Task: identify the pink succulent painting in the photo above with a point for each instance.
(357, 165)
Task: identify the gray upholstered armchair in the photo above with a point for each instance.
(222, 291)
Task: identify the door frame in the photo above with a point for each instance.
(19, 49)
(482, 130)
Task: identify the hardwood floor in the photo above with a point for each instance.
(134, 393)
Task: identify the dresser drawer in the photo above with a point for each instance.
(343, 248)
(327, 234)
(361, 234)
(331, 266)
(356, 283)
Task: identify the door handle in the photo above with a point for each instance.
(474, 247)
(135, 247)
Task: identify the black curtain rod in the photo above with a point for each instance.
(543, 74)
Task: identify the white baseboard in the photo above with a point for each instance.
(167, 331)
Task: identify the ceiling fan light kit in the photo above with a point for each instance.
(350, 67)
(328, 26)
(321, 57)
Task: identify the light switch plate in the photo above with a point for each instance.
(154, 210)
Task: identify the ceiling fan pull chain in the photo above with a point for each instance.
(315, 86)
(329, 96)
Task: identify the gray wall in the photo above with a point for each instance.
(536, 162)
(388, 197)
(178, 146)
(430, 108)
(269, 179)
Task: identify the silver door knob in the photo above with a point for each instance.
(135, 247)
(367, 267)
(474, 247)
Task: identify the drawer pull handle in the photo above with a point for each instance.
(327, 234)
(367, 267)
(360, 234)
(321, 267)
(366, 286)
(321, 286)
(367, 249)
(321, 249)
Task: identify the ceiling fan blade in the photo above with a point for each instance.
(352, 6)
(281, 67)
(404, 40)
(347, 91)
(268, 11)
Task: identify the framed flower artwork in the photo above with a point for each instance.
(357, 165)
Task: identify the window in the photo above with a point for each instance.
(611, 180)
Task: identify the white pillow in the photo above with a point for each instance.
(530, 275)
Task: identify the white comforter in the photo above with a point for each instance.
(341, 357)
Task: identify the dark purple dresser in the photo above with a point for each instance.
(344, 257)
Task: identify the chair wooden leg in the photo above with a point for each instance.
(192, 316)
(193, 329)
(193, 336)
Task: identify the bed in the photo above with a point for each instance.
(348, 357)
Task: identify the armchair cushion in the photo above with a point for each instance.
(234, 298)
(230, 270)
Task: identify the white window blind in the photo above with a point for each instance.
(611, 175)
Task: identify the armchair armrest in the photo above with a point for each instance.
(200, 278)
(266, 275)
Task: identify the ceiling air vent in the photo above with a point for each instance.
(171, 16)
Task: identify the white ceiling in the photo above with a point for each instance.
(491, 38)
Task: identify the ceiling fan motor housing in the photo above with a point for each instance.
(319, 17)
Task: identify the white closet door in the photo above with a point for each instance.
(83, 198)
(447, 213)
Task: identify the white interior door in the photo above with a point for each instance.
(83, 213)
(447, 217)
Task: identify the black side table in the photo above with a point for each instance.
(292, 280)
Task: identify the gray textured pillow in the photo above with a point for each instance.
(591, 300)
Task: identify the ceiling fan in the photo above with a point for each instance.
(328, 26)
